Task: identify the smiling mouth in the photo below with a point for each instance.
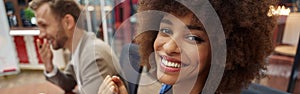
(170, 64)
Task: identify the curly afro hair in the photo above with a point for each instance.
(248, 32)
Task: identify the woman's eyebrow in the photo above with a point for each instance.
(166, 21)
(192, 27)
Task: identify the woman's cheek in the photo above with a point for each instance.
(158, 42)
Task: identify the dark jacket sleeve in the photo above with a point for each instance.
(65, 80)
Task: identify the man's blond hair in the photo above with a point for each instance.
(59, 7)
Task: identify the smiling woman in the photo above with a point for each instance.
(245, 57)
(179, 50)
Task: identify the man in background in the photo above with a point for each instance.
(92, 59)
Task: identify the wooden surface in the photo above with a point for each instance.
(34, 82)
(278, 74)
(38, 88)
(27, 82)
(288, 50)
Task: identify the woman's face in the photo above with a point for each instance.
(182, 50)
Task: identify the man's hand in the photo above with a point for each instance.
(46, 54)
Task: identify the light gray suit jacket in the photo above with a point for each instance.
(91, 62)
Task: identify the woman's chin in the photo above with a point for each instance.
(168, 81)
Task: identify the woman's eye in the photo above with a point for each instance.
(166, 31)
(195, 38)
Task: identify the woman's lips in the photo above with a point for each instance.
(170, 64)
(171, 59)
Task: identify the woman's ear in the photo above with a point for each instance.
(69, 22)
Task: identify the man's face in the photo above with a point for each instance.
(50, 27)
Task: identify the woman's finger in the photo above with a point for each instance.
(107, 80)
(104, 87)
(121, 86)
(117, 80)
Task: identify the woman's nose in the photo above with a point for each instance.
(171, 47)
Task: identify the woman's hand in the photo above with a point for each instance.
(112, 85)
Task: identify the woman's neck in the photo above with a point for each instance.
(190, 85)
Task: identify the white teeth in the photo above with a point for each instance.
(176, 65)
(164, 61)
(170, 64)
